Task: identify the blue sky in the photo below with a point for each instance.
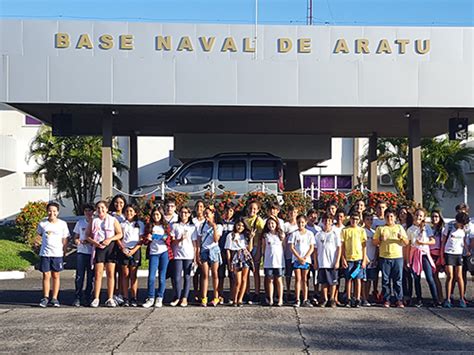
(334, 12)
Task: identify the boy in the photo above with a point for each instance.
(380, 209)
(339, 216)
(327, 256)
(289, 227)
(54, 234)
(354, 258)
(312, 226)
(274, 211)
(170, 211)
(83, 254)
(372, 256)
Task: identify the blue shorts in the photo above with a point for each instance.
(354, 270)
(273, 272)
(49, 263)
(327, 277)
(372, 273)
(297, 265)
(211, 256)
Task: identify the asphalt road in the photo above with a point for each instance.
(26, 328)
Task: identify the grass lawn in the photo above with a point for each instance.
(14, 255)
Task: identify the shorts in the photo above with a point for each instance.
(51, 263)
(273, 272)
(437, 262)
(297, 265)
(327, 277)
(134, 260)
(372, 273)
(107, 255)
(354, 270)
(453, 259)
(211, 256)
(288, 268)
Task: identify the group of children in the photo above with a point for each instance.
(192, 245)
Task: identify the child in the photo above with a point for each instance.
(170, 214)
(209, 255)
(391, 238)
(157, 236)
(227, 227)
(239, 259)
(255, 225)
(437, 225)
(339, 217)
(198, 220)
(290, 226)
(313, 227)
(273, 260)
(420, 236)
(184, 236)
(405, 218)
(103, 233)
(354, 259)
(83, 254)
(53, 233)
(379, 219)
(274, 211)
(453, 245)
(327, 255)
(302, 246)
(372, 269)
(129, 256)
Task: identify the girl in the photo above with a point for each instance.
(198, 220)
(184, 238)
(359, 207)
(437, 225)
(273, 260)
(420, 236)
(157, 236)
(116, 209)
(405, 219)
(240, 261)
(209, 255)
(228, 224)
(302, 246)
(452, 247)
(129, 256)
(102, 233)
(290, 226)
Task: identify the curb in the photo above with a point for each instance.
(12, 275)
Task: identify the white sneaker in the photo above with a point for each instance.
(159, 302)
(110, 303)
(95, 303)
(174, 303)
(118, 299)
(148, 302)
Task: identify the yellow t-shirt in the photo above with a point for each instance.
(353, 238)
(255, 222)
(392, 247)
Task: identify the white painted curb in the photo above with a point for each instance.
(12, 275)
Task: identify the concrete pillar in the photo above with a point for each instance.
(415, 189)
(373, 184)
(356, 162)
(107, 163)
(133, 172)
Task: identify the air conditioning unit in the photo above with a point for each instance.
(385, 180)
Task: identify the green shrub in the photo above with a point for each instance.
(27, 222)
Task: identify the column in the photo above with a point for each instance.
(356, 161)
(373, 162)
(133, 172)
(415, 190)
(107, 163)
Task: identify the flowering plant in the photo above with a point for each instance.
(27, 222)
(264, 199)
(295, 199)
(392, 199)
(329, 196)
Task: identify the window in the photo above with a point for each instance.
(198, 173)
(328, 182)
(31, 180)
(232, 170)
(265, 169)
(31, 121)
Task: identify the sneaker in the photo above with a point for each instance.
(296, 304)
(255, 299)
(118, 299)
(307, 303)
(221, 300)
(44, 302)
(133, 302)
(125, 303)
(204, 302)
(280, 303)
(184, 303)
(447, 304)
(54, 302)
(462, 303)
(357, 304)
(148, 303)
(386, 304)
(315, 301)
(174, 303)
(159, 302)
(76, 303)
(400, 304)
(111, 303)
(333, 304)
(95, 303)
(230, 303)
(351, 303)
(323, 304)
(215, 302)
(418, 303)
(240, 304)
(365, 303)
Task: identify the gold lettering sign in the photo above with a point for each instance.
(84, 42)
(207, 43)
(422, 49)
(229, 45)
(304, 45)
(62, 40)
(362, 46)
(247, 46)
(126, 42)
(341, 46)
(284, 45)
(185, 44)
(384, 47)
(163, 43)
(106, 42)
(402, 45)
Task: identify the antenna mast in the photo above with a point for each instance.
(309, 13)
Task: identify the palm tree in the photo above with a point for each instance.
(73, 165)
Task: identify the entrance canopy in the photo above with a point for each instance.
(164, 79)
